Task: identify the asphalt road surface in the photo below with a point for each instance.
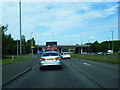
(76, 73)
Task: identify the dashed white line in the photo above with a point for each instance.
(88, 64)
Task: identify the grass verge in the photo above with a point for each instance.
(8, 59)
(101, 58)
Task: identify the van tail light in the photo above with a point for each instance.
(57, 58)
(42, 59)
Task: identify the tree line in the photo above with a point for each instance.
(10, 46)
(104, 46)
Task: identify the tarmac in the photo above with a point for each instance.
(10, 71)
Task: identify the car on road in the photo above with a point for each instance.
(65, 55)
(99, 53)
(50, 58)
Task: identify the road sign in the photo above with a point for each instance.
(32, 47)
(39, 52)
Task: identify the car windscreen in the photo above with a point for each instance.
(50, 54)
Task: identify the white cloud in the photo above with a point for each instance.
(92, 37)
(59, 18)
(60, 0)
(0, 13)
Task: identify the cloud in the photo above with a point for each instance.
(92, 37)
(60, 0)
(60, 18)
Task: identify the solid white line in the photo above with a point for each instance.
(34, 66)
(87, 64)
(16, 76)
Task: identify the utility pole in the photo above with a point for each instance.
(20, 29)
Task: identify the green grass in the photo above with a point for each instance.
(8, 59)
(116, 53)
(101, 58)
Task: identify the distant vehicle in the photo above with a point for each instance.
(99, 53)
(50, 58)
(84, 53)
(51, 46)
(110, 52)
(65, 55)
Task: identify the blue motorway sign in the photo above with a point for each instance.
(39, 52)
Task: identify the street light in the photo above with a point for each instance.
(112, 42)
(91, 39)
(81, 39)
(88, 46)
(38, 46)
(17, 48)
(53, 36)
(31, 43)
(108, 43)
(20, 29)
(70, 44)
(81, 44)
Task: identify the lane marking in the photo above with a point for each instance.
(88, 64)
(35, 66)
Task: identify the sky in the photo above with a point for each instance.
(68, 23)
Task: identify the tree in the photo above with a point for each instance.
(95, 47)
(3, 29)
(104, 46)
(28, 46)
(8, 44)
(23, 44)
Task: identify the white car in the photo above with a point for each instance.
(65, 55)
(50, 58)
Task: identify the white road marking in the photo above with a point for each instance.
(87, 64)
(34, 66)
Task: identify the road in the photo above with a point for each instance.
(76, 73)
(11, 70)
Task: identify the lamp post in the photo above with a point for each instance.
(20, 29)
(88, 46)
(81, 44)
(70, 44)
(38, 46)
(31, 43)
(108, 43)
(17, 48)
(81, 38)
(53, 36)
(112, 42)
